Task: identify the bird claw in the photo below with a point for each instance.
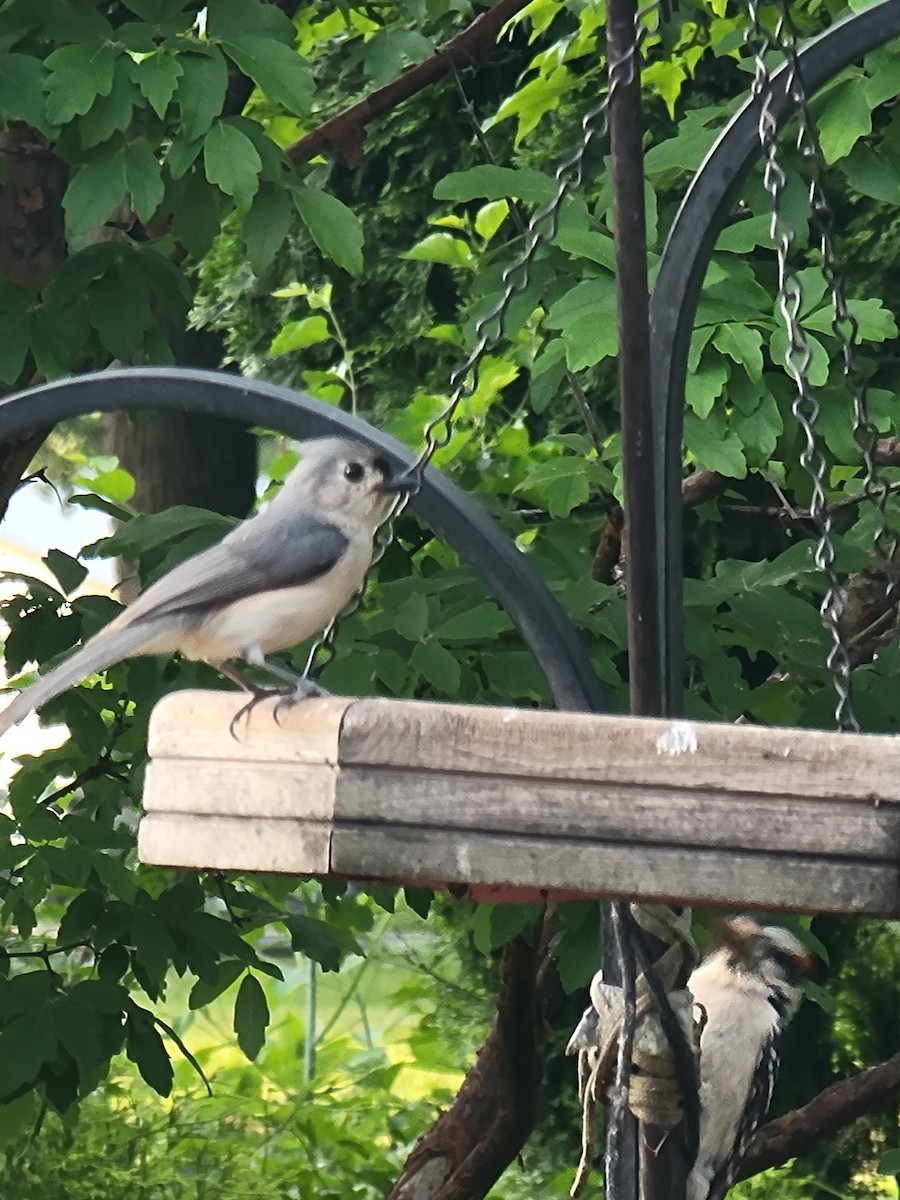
(306, 690)
(244, 711)
(287, 698)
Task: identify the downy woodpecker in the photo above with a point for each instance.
(745, 994)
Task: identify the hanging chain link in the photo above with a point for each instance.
(876, 487)
(805, 407)
(542, 227)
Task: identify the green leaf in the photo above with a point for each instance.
(419, 900)
(391, 50)
(21, 90)
(586, 318)
(577, 945)
(100, 504)
(251, 1016)
(16, 1116)
(146, 1049)
(703, 387)
(276, 69)
(69, 571)
(746, 235)
(114, 962)
(442, 248)
(201, 91)
(78, 74)
(667, 77)
(157, 76)
(817, 371)
(872, 174)
(317, 941)
(97, 188)
(846, 116)
(205, 991)
(266, 226)
(79, 1028)
(761, 428)
(234, 18)
(496, 183)
(149, 530)
(490, 218)
(743, 343)
(508, 921)
(110, 114)
(120, 325)
(143, 178)
(14, 345)
(26, 1043)
(297, 335)
(481, 621)
(889, 1163)
(411, 618)
(560, 484)
(153, 947)
(875, 322)
(232, 162)
(713, 447)
(333, 227)
(588, 243)
(198, 215)
(437, 665)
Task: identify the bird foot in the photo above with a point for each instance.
(256, 695)
(305, 690)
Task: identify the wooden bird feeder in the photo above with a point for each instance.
(512, 804)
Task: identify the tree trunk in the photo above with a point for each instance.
(187, 458)
(32, 246)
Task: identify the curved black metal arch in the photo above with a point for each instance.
(509, 575)
(673, 306)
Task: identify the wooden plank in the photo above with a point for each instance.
(605, 749)
(195, 724)
(235, 843)
(613, 812)
(604, 869)
(237, 789)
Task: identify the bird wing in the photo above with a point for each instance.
(246, 562)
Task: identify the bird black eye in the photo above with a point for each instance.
(354, 471)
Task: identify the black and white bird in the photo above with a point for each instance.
(746, 992)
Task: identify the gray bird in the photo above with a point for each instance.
(273, 581)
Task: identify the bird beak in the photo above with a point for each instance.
(403, 485)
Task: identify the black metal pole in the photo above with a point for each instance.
(625, 125)
(704, 212)
(648, 1164)
(633, 305)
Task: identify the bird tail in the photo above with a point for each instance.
(106, 647)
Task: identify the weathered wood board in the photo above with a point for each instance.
(520, 803)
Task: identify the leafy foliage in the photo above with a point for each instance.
(175, 122)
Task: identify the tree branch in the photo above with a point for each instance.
(704, 484)
(468, 1147)
(347, 130)
(798, 1132)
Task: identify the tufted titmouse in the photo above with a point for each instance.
(273, 581)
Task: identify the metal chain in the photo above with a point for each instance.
(542, 227)
(805, 407)
(876, 487)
